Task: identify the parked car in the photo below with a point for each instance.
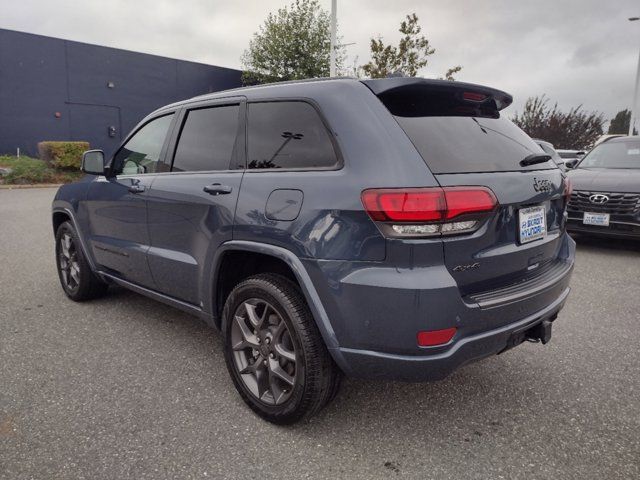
(606, 195)
(570, 158)
(395, 228)
(604, 138)
(549, 149)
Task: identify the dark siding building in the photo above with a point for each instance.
(54, 89)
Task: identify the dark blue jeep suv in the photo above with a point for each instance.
(394, 228)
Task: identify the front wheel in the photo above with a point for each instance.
(274, 352)
(76, 277)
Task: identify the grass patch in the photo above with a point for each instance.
(27, 171)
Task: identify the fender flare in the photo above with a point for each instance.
(306, 285)
(85, 249)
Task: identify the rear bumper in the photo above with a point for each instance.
(376, 311)
(414, 368)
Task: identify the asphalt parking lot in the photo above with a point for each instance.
(124, 387)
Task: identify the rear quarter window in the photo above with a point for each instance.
(459, 144)
(288, 135)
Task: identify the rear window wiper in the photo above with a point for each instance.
(534, 158)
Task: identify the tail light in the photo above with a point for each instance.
(568, 188)
(417, 212)
(474, 96)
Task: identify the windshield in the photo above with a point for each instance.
(614, 155)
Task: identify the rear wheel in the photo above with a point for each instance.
(274, 352)
(76, 277)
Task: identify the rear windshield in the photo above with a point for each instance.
(613, 155)
(457, 144)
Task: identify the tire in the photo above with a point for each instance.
(77, 280)
(274, 352)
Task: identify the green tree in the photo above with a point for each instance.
(575, 129)
(292, 44)
(451, 72)
(407, 58)
(620, 123)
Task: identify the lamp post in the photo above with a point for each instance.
(634, 106)
(332, 53)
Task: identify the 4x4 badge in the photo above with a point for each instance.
(464, 268)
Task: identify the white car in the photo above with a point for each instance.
(550, 150)
(571, 157)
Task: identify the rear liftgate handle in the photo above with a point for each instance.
(217, 189)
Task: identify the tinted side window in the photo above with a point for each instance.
(207, 139)
(141, 153)
(288, 135)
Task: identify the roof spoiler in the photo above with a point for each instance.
(420, 97)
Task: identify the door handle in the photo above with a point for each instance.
(217, 189)
(136, 188)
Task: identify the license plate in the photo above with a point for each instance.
(533, 224)
(601, 219)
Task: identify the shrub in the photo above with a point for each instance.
(62, 155)
(27, 170)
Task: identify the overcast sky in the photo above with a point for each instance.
(575, 51)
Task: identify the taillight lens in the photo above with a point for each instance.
(463, 201)
(407, 205)
(428, 211)
(474, 96)
(568, 188)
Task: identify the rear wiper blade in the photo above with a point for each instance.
(534, 158)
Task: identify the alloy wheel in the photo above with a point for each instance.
(68, 262)
(263, 351)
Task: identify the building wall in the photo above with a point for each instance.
(41, 76)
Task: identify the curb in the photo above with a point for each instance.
(37, 185)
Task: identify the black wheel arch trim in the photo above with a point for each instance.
(87, 253)
(304, 280)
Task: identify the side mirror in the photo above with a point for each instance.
(571, 163)
(93, 162)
